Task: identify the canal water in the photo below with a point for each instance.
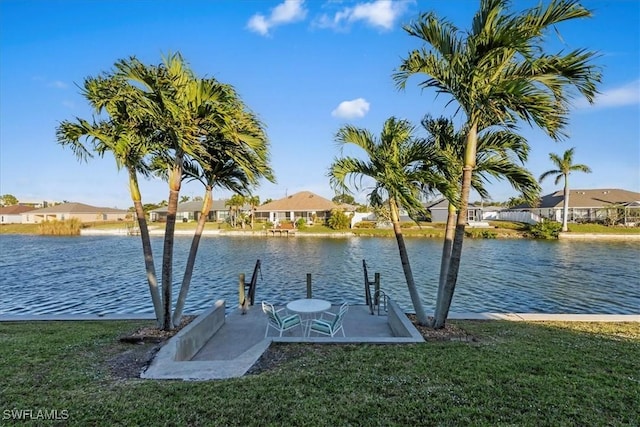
(105, 274)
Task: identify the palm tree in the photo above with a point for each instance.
(237, 158)
(120, 136)
(178, 106)
(395, 162)
(254, 202)
(235, 204)
(498, 72)
(564, 166)
(499, 153)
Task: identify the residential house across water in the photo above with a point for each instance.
(80, 211)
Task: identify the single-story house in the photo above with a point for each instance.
(305, 205)
(84, 213)
(13, 214)
(439, 210)
(608, 204)
(190, 211)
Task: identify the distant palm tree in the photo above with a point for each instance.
(395, 163)
(564, 166)
(254, 202)
(498, 72)
(235, 203)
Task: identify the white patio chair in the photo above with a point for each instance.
(279, 322)
(331, 325)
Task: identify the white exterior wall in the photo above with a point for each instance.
(11, 219)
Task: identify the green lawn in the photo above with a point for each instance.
(531, 374)
(597, 228)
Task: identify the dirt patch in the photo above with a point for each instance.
(133, 360)
(137, 349)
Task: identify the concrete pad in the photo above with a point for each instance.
(241, 340)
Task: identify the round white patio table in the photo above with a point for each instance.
(307, 308)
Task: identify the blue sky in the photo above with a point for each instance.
(305, 67)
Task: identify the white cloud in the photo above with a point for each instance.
(286, 12)
(58, 84)
(378, 13)
(353, 109)
(628, 94)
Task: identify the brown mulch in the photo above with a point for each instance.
(450, 332)
(152, 334)
(147, 341)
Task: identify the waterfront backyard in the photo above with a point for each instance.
(505, 373)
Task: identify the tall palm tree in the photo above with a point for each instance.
(498, 72)
(500, 155)
(122, 136)
(178, 105)
(564, 166)
(237, 158)
(395, 162)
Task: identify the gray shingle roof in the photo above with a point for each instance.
(595, 198)
(77, 208)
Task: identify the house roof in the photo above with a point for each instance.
(595, 198)
(437, 204)
(15, 209)
(196, 205)
(77, 208)
(302, 201)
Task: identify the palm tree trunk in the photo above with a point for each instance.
(406, 266)
(446, 256)
(150, 267)
(442, 312)
(191, 260)
(565, 207)
(175, 176)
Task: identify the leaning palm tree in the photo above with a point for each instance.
(498, 72)
(564, 166)
(237, 158)
(396, 164)
(177, 105)
(123, 136)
